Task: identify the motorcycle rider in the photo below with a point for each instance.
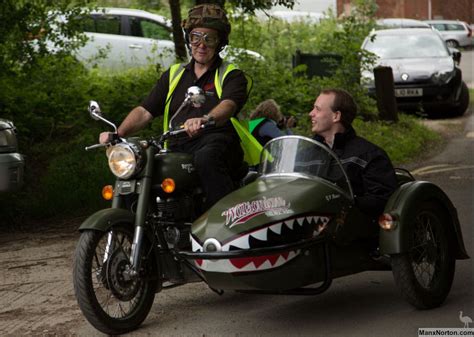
(217, 152)
(368, 167)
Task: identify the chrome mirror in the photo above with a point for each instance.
(96, 114)
(196, 96)
(94, 110)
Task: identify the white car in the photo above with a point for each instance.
(128, 37)
(455, 33)
(132, 38)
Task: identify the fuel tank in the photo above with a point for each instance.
(179, 167)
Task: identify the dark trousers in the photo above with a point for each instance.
(217, 158)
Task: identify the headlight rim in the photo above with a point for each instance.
(136, 155)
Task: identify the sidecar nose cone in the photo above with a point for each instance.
(212, 245)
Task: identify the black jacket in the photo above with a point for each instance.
(369, 169)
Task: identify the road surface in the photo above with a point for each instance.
(36, 293)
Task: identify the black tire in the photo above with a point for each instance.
(463, 101)
(425, 273)
(110, 303)
(452, 43)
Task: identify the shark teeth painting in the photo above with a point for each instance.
(273, 234)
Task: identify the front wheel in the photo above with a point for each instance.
(463, 101)
(425, 273)
(111, 300)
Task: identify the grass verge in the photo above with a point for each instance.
(403, 141)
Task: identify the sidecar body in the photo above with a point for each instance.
(296, 225)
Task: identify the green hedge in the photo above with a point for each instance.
(48, 102)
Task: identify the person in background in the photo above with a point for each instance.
(267, 122)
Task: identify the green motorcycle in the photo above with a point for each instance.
(291, 228)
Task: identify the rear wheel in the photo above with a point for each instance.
(452, 43)
(424, 274)
(111, 300)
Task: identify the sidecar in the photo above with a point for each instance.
(295, 228)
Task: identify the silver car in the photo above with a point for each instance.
(455, 33)
(11, 162)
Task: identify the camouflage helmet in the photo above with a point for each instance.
(208, 16)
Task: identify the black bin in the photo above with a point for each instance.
(322, 65)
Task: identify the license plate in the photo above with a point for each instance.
(409, 92)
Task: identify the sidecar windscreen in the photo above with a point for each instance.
(302, 156)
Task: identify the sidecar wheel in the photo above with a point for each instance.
(111, 302)
(425, 273)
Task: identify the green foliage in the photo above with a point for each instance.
(402, 141)
(48, 104)
(249, 6)
(47, 96)
(43, 100)
(278, 41)
(32, 28)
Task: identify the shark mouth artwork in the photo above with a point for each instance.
(273, 234)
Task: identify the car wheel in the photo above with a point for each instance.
(463, 104)
(452, 43)
(424, 274)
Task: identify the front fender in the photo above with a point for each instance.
(106, 218)
(403, 203)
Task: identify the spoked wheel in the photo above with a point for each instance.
(425, 273)
(111, 299)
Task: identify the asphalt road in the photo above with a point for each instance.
(366, 304)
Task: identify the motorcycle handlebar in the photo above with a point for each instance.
(87, 148)
(113, 139)
(172, 133)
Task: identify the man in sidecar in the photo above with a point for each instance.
(368, 167)
(217, 152)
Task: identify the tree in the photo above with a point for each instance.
(250, 6)
(35, 28)
(178, 38)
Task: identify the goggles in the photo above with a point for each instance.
(209, 40)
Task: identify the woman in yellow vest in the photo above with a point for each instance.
(217, 152)
(267, 122)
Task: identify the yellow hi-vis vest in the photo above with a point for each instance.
(250, 145)
(177, 70)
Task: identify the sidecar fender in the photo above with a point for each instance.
(402, 205)
(106, 218)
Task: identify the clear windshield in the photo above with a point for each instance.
(303, 156)
(407, 46)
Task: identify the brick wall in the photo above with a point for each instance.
(419, 9)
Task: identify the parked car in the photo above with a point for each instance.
(132, 38)
(426, 73)
(400, 23)
(11, 162)
(455, 33)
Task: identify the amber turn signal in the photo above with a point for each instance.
(387, 222)
(168, 185)
(108, 192)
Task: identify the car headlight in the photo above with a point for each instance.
(124, 160)
(443, 77)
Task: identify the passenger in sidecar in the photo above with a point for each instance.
(301, 223)
(369, 168)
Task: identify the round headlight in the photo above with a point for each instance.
(122, 160)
